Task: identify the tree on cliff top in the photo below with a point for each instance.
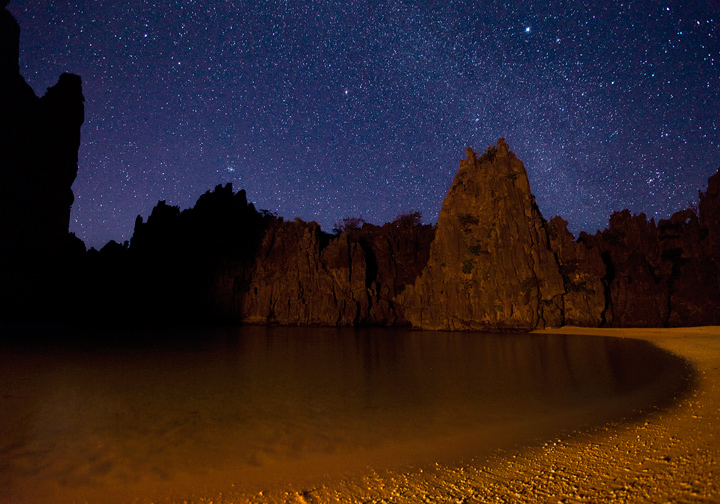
(408, 219)
(348, 224)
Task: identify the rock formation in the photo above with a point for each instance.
(635, 277)
(224, 260)
(304, 276)
(191, 264)
(490, 266)
(491, 263)
(497, 265)
(39, 141)
(709, 220)
(300, 277)
(582, 270)
(694, 277)
(665, 274)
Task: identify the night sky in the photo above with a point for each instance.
(329, 109)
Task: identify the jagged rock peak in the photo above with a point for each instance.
(39, 142)
(490, 264)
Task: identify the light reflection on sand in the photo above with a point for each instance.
(262, 407)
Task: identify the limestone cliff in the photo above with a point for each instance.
(39, 142)
(692, 274)
(664, 274)
(307, 277)
(582, 270)
(635, 272)
(490, 266)
(299, 280)
(491, 263)
(709, 220)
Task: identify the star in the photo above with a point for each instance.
(318, 105)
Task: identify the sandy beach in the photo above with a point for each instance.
(667, 454)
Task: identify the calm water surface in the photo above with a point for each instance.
(163, 414)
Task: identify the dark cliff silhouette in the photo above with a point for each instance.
(39, 142)
(491, 263)
(223, 260)
(178, 264)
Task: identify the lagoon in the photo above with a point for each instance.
(164, 414)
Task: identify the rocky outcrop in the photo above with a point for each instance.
(490, 266)
(192, 263)
(491, 263)
(709, 219)
(636, 275)
(398, 252)
(693, 280)
(307, 277)
(664, 275)
(39, 142)
(582, 270)
(302, 278)
(224, 260)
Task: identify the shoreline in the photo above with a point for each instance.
(667, 454)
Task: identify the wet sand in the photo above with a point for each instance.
(667, 454)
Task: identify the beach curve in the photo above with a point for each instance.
(668, 454)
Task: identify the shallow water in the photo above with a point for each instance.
(166, 414)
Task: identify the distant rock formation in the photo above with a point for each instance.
(304, 276)
(664, 275)
(496, 264)
(179, 265)
(582, 270)
(636, 274)
(223, 260)
(492, 263)
(39, 141)
(491, 266)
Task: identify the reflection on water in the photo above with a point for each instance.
(259, 406)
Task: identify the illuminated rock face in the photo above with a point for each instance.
(490, 267)
(664, 275)
(298, 280)
(491, 263)
(303, 276)
(582, 269)
(637, 281)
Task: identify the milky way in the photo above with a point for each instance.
(330, 109)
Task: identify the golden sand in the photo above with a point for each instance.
(669, 454)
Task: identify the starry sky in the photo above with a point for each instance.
(328, 109)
